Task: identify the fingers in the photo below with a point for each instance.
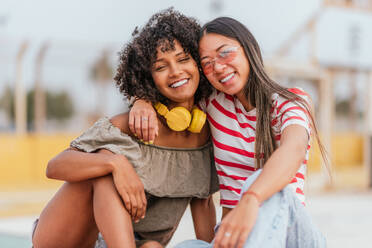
(231, 239)
(131, 122)
(145, 127)
(144, 202)
(140, 210)
(142, 120)
(227, 237)
(138, 126)
(134, 204)
(243, 237)
(153, 126)
(219, 237)
(124, 195)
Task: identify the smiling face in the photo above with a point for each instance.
(176, 74)
(224, 63)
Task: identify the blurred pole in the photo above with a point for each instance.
(327, 113)
(368, 128)
(20, 95)
(313, 41)
(353, 114)
(39, 97)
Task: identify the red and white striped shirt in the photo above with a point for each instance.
(233, 134)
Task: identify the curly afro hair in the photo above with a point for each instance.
(133, 76)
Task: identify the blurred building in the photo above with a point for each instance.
(52, 89)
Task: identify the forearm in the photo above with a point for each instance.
(278, 171)
(72, 165)
(204, 217)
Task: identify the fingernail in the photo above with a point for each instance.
(146, 143)
(143, 217)
(151, 142)
(135, 134)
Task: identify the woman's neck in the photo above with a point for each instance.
(244, 101)
(187, 104)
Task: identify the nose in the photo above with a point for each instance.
(175, 70)
(218, 67)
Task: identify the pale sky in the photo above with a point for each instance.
(76, 29)
(113, 20)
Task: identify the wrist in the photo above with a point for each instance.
(251, 195)
(115, 162)
(132, 100)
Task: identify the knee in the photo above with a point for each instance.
(41, 242)
(151, 244)
(103, 181)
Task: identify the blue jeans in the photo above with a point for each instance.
(282, 222)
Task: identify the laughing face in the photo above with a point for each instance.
(176, 74)
(224, 63)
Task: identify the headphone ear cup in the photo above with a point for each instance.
(178, 118)
(198, 120)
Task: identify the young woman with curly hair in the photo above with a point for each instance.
(261, 138)
(134, 194)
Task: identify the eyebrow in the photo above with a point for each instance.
(218, 48)
(178, 54)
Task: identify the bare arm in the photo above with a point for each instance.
(283, 163)
(73, 165)
(276, 174)
(203, 214)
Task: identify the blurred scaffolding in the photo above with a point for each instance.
(36, 119)
(345, 122)
(70, 88)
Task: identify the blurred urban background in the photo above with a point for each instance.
(58, 58)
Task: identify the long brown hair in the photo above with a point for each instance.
(260, 87)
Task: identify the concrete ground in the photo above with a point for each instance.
(345, 218)
(343, 214)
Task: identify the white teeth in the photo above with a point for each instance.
(227, 78)
(179, 83)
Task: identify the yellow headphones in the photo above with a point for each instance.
(179, 118)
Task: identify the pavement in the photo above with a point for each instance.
(345, 218)
(343, 214)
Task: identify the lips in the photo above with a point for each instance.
(227, 78)
(179, 83)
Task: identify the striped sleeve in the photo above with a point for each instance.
(291, 113)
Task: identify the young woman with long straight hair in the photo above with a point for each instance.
(261, 137)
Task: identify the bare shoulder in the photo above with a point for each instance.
(121, 121)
